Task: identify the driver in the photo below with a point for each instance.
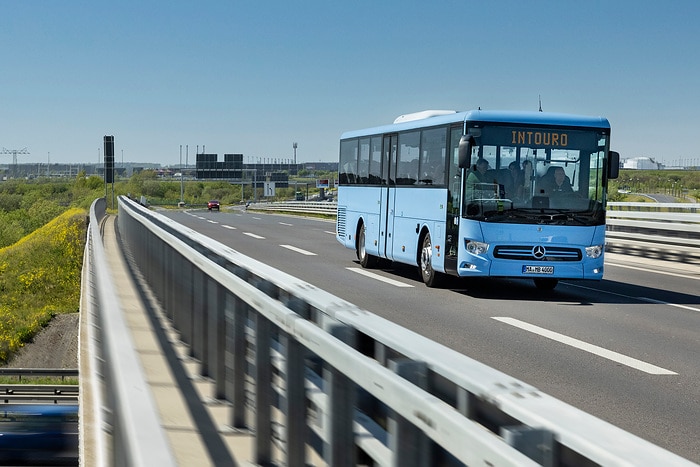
(561, 182)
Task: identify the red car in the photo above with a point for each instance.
(213, 204)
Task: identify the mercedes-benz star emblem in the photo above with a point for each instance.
(538, 252)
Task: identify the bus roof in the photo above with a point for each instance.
(487, 116)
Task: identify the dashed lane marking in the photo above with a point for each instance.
(581, 345)
(377, 277)
(298, 250)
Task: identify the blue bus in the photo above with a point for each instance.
(479, 193)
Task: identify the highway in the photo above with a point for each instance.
(624, 349)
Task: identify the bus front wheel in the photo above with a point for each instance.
(430, 277)
(366, 260)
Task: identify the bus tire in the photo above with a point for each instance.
(546, 284)
(366, 260)
(430, 277)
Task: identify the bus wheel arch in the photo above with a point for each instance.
(366, 260)
(430, 276)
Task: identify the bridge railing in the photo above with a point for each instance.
(659, 230)
(307, 369)
(121, 427)
(302, 207)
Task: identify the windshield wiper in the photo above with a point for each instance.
(510, 214)
(548, 215)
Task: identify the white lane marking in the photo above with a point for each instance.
(257, 218)
(284, 223)
(379, 278)
(685, 276)
(594, 349)
(212, 222)
(254, 235)
(230, 227)
(329, 232)
(685, 307)
(298, 250)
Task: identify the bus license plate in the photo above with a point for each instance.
(538, 269)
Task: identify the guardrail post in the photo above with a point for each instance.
(167, 280)
(410, 446)
(208, 309)
(213, 307)
(296, 391)
(535, 443)
(263, 390)
(218, 338)
(466, 403)
(180, 293)
(342, 392)
(236, 315)
(185, 320)
(199, 317)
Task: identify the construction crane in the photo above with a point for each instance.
(14, 153)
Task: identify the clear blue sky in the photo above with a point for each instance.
(253, 77)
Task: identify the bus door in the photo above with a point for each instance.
(454, 201)
(386, 215)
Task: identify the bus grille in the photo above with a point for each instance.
(340, 224)
(530, 253)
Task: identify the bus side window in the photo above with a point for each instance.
(409, 143)
(347, 173)
(364, 162)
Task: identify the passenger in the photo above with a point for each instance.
(516, 188)
(527, 177)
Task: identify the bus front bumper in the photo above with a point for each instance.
(477, 266)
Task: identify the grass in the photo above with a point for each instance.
(55, 380)
(40, 278)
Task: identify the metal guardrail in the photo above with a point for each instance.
(55, 393)
(302, 207)
(127, 430)
(654, 229)
(63, 373)
(343, 378)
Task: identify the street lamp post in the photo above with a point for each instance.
(294, 146)
(182, 186)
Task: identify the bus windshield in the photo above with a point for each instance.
(524, 174)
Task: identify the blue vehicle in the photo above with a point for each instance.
(479, 193)
(31, 433)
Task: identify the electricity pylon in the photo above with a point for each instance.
(14, 153)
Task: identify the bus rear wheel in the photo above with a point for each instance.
(430, 277)
(366, 260)
(546, 284)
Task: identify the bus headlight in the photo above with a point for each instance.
(475, 248)
(594, 251)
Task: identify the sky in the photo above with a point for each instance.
(254, 77)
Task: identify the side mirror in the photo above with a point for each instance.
(466, 142)
(613, 165)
